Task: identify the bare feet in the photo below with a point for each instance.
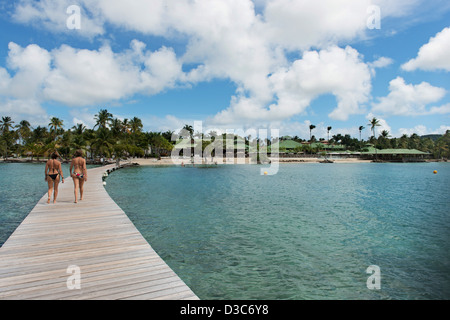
(48, 201)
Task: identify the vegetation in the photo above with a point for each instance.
(115, 138)
(436, 145)
(110, 137)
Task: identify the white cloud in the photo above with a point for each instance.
(20, 93)
(434, 55)
(52, 15)
(290, 23)
(83, 116)
(335, 70)
(85, 77)
(77, 77)
(225, 39)
(31, 66)
(398, 8)
(24, 109)
(444, 109)
(381, 62)
(410, 100)
(304, 24)
(422, 130)
(137, 15)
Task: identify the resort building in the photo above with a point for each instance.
(395, 155)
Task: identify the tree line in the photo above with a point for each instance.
(112, 137)
(436, 145)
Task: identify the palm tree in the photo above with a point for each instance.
(78, 142)
(328, 131)
(385, 134)
(54, 125)
(37, 149)
(383, 140)
(361, 128)
(136, 125)
(126, 126)
(79, 129)
(136, 128)
(189, 129)
(103, 142)
(311, 127)
(413, 141)
(338, 138)
(102, 118)
(6, 124)
(24, 129)
(7, 136)
(40, 134)
(441, 148)
(374, 123)
(116, 127)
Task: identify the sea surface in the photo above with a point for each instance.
(309, 232)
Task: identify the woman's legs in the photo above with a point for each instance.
(50, 188)
(81, 188)
(76, 183)
(55, 192)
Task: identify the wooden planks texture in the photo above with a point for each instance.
(114, 261)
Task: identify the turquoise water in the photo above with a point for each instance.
(308, 232)
(22, 186)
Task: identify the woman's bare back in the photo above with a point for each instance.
(79, 175)
(78, 165)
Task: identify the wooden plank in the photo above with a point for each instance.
(115, 260)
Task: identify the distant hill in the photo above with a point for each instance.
(433, 137)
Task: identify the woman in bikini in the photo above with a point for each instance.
(79, 175)
(53, 174)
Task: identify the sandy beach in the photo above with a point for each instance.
(169, 161)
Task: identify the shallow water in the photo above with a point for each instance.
(308, 232)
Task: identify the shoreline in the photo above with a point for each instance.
(177, 162)
(170, 162)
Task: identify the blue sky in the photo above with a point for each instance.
(233, 64)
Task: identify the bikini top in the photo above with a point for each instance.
(77, 165)
(52, 168)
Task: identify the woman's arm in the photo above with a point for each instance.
(46, 170)
(84, 170)
(71, 166)
(61, 172)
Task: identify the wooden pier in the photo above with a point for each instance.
(84, 250)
